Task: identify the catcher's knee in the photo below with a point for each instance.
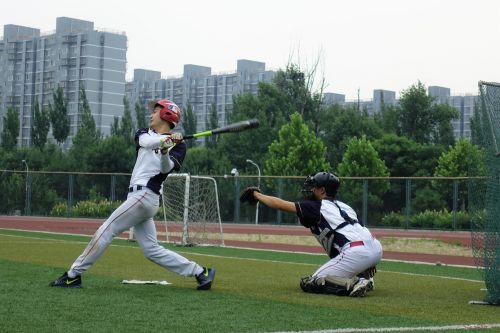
(322, 285)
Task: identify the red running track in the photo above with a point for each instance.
(89, 226)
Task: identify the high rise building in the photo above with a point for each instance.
(200, 88)
(383, 97)
(75, 55)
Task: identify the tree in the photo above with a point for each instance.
(205, 161)
(339, 124)
(189, 124)
(87, 126)
(297, 151)
(115, 126)
(10, 129)
(212, 122)
(362, 160)
(140, 115)
(41, 126)
(87, 135)
(127, 126)
(421, 119)
(462, 160)
(388, 119)
(59, 116)
(407, 158)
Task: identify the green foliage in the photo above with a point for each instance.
(273, 106)
(462, 160)
(393, 220)
(422, 120)
(127, 126)
(59, 115)
(87, 136)
(429, 219)
(297, 151)
(41, 125)
(90, 208)
(388, 119)
(339, 124)
(362, 160)
(205, 161)
(10, 129)
(407, 158)
(140, 115)
(427, 198)
(113, 154)
(189, 124)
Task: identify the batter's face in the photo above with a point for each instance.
(156, 123)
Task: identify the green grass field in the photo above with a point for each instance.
(254, 291)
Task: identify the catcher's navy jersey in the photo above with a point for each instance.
(151, 167)
(324, 219)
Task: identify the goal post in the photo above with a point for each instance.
(191, 210)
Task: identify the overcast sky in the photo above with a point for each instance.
(361, 44)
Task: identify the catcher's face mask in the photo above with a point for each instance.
(307, 188)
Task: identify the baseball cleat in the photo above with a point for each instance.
(205, 278)
(360, 288)
(370, 285)
(65, 281)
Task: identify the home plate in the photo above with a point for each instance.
(161, 283)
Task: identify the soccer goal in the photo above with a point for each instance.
(191, 210)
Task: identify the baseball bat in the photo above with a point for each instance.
(232, 128)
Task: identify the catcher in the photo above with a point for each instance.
(353, 251)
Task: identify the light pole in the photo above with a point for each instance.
(27, 210)
(258, 185)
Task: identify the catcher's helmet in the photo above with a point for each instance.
(169, 111)
(329, 181)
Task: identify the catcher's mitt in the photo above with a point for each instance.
(247, 195)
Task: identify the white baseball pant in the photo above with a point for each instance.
(137, 211)
(352, 260)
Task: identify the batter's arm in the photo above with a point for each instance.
(275, 202)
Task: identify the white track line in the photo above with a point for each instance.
(401, 329)
(237, 258)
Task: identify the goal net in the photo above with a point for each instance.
(485, 191)
(191, 210)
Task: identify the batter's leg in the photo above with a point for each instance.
(125, 216)
(145, 233)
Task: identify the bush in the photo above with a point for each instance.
(429, 219)
(393, 220)
(101, 208)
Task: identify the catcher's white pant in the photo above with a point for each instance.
(352, 260)
(137, 211)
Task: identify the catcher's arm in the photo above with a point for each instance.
(275, 202)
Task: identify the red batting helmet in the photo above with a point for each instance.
(169, 111)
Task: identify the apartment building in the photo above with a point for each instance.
(34, 64)
(200, 88)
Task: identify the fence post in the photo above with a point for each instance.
(455, 204)
(280, 194)
(408, 203)
(365, 202)
(27, 210)
(70, 194)
(113, 188)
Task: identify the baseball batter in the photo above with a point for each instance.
(352, 249)
(158, 152)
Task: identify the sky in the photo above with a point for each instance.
(358, 45)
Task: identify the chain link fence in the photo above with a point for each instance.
(392, 202)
